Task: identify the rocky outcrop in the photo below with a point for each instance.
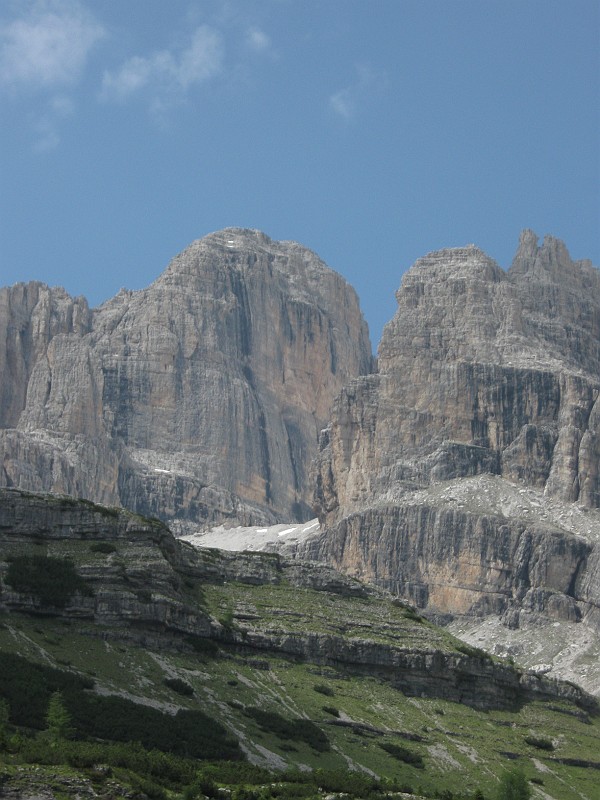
(474, 546)
(488, 386)
(136, 581)
(198, 399)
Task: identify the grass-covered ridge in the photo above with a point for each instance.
(427, 744)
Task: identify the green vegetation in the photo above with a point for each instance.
(513, 786)
(52, 581)
(192, 706)
(58, 719)
(299, 730)
(4, 715)
(34, 692)
(179, 686)
(539, 742)
(103, 547)
(323, 688)
(473, 652)
(446, 737)
(403, 754)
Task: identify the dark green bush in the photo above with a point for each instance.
(27, 688)
(298, 730)
(540, 743)
(202, 646)
(402, 753)
(236, 774)
(103, 547)
(331, 710)
(412, 615)
(53, 581)
(513, 786)
(179, 686)
(353, 783)
(190, 734)
(323, 688)
(473, 652)
(162, 768)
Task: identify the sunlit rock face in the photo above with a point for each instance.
(198, 399)
(484, 375)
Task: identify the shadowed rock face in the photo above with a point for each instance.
(481, 372)
(198, 399)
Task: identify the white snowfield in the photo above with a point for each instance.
(282, 538)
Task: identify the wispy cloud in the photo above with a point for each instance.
(47, 45)
(168, 74)
(347, 102)
(43, 51)
(257, 40)
(47, 126)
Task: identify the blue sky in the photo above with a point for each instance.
(371, 131)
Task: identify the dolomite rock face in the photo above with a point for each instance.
(488, 385)
(198, 399)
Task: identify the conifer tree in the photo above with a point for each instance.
(513, 786)
(58, 719)
(4, 714)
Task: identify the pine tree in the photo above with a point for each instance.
(4, 714)
(58, 719)
(513, 786)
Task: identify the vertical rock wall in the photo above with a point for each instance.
(198, 399)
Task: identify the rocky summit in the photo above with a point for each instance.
(465, 474)
(198, 399)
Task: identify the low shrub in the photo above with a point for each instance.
(103, 547)
(202, 646)
(402, 753)
(298, 730)
(323, 688)
(540, 743)
(53, 581)
(472, 652)
(179, 686)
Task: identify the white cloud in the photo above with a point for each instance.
(348, 101)
(47, 126)
(168, 73)
(342, 103)
(257, 40)
(48, 45)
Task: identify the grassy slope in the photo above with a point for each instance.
(462, 749)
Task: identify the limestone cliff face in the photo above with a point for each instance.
(481, 372)
(31, 315)
(198, 399)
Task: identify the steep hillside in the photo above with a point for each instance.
(197, 399)
(300, 665)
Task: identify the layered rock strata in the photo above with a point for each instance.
(139, 582)
(198, 399)
(481, 373)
